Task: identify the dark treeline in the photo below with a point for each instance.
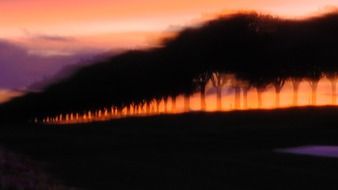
(259, 50)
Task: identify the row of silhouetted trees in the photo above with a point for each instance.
(255, 50)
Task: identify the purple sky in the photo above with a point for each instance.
(20, 67)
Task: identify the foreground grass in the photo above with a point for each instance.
(18, 172)
(191, 151)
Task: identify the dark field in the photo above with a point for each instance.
(192, 151)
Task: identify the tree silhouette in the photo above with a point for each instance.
(201, 81)
(165, 102)
(295, 86)
(218, 81)
(245, 89)
(314, 75)
(278, 84)
(235, 84)
(173, 107)
(333, 80)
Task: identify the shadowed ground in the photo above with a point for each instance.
(192, 151)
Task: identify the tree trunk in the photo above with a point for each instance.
(295, 85)
(277, 97)
(218, 81)
(173, 108)
(278, 84)
(158, 102)
(105, 112)
(237, 97)
(112, 110)
(148, 108)
(128, 110)
(259, 98)
(245, 98)
(186, 103)
(203, 103)
(219, 98)
(119, 112)
(132, 110)
(139, 109)
(89, 115)
(314, 96)
(165, 101)
(314, 85)
(135, 109)
(334, 90)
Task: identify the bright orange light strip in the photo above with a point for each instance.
(324, 96)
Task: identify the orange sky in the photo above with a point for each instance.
(85, 19)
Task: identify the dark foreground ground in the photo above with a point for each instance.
(192, 151)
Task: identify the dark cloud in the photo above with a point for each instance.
(47, 37)
(53, 38)
(19, 69)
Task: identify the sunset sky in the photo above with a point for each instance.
(39, 37)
